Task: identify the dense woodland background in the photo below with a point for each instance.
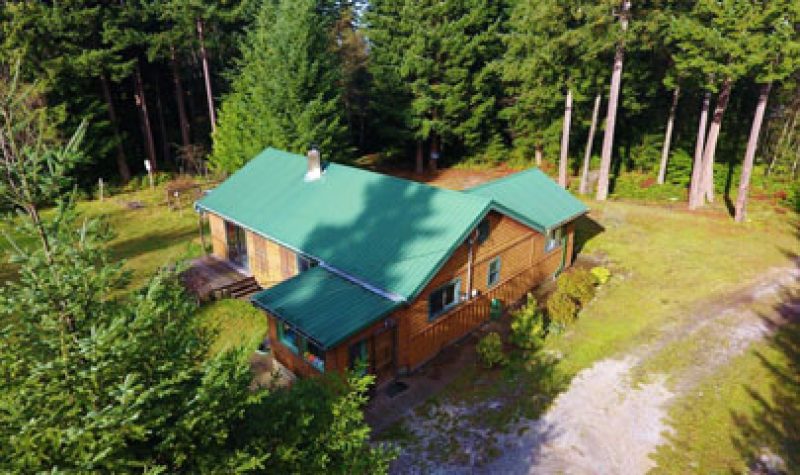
(476, 82)
(659, 99)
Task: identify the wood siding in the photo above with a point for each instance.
(519, 249)
(269, 262)
(412, 339)
(219, 240)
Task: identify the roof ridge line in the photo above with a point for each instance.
(377, 173)
(501, 179)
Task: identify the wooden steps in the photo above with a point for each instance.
(241, 289)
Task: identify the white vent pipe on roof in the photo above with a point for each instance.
(314, 165)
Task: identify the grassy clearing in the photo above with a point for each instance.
(750, 408)
(150, 237)
(237, 323)
(147, 238)
(665, 261)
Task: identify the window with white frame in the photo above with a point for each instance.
(443, 299)
(493, 276)
(553, 239)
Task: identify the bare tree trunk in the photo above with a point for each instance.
(212, 115)
(432, 163)
(711, 142)
(122, 161)
(162, 124)
(611, 117)
(144, 117)
(562, 163)
(538, 151)
(176, 79)
(419, 168)
(662, 171)
(697, 168)
(750, 154)
(587, 156)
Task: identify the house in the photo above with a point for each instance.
(356, 265)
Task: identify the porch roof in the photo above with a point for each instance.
(324, 306)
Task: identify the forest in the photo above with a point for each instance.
(694, 96)
(108, 365)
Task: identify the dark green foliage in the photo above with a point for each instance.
(434, 61)
(578, 284)
(561, 308)
(288, 92)
(490, 350)
(96, 381)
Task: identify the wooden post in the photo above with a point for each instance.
(100, 185)
(562, 163)
(149, 167)
(202, 234)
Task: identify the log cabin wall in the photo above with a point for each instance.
(270, 263)
(219, 241)
(337, 359)
(518, 247)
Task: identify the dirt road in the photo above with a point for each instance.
(606, 423)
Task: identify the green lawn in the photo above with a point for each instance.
(752, 404)
(664, 261)
(150, 237)
(236, 322)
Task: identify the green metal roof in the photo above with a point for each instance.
(390, 233)
(533, 198)
(324, 306)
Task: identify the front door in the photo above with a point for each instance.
(237, 245)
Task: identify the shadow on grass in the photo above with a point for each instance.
(150, 242)
(769, 437)
(586, 229)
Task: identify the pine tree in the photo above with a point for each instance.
(288, 90)
(445, 61)
(711, 44)
(775, 56)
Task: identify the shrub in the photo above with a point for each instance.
(561, 308)
(490, 350)
(578, 284)
(527, 326)
(601, 275)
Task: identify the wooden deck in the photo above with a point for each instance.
(210, 278)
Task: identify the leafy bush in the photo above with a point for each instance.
(527, 326)
(578, 284)
(561, 308)
(601, 275)
(490, 350)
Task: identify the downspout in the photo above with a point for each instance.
(470, 258)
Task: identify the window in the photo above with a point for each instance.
(288, 337)
(494, 272)
(443, 298)
(315, 356)
(483, 231)
(359, 357)
(304, 263)
(552, 240)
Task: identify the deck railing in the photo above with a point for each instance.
(458, 322)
